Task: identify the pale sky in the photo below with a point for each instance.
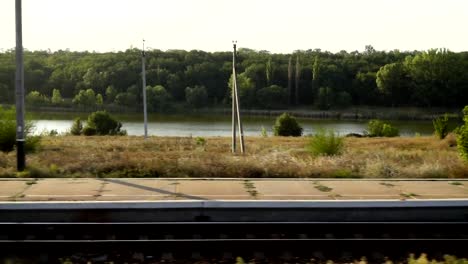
(279, 26)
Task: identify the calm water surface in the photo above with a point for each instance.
(221, 126)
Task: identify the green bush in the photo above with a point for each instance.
(103, 124)
(377, 128)
(32, 144)
(89, 131)
(7, 129)
(441, 126)
(8, 132)
(287, 126)
(77, 127)
(326, 142)
(462, 138)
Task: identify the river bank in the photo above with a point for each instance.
(276, 157)
(351, 113)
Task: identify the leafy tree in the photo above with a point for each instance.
(392, 80)
(196, 96)
(245, 89)
(99, 100)
(158, 98)
(287, 126)
(56, 97)
(111, 93)
(125, 99)
(298, 79)
(85, 98)
(35, 98)
(326, 98)
(272, 96)
(436, 74)
(343, 99)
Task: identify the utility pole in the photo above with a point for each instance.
(143, 76)
(236, 118)
(19, 87)
(233, 96)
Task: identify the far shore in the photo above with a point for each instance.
(351, 113)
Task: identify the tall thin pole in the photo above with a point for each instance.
(19, 86)
(241, 130)
(143, 76)
(233, 96)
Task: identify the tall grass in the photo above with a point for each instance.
(326, 142)
(441, 126)
(131, 156)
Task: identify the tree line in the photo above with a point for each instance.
(179, 78)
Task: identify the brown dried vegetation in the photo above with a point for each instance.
(130, 156)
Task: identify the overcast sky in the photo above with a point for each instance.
(279, 26)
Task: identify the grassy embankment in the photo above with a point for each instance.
(73, 156)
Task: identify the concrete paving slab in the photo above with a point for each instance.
(294, 190)
(361, 189)
(9, 189)
(138, 189)
(63, 189)
(227, 189)
(208, 190)
(431, 189)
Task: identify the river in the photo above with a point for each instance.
(208, 126)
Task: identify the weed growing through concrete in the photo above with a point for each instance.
(322, 188)
(408, 195)
(250, 188)
(386, 184)
(456, 183)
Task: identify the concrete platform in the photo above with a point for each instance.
(93, 189)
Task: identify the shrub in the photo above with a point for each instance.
(89, 131)
(326, 142)
(263, 132)
(103, 124)
(8, 132)
(377, 128)
(32, 144)
(390, 131)
(462, 139)
(287, 126)
(441, 126)
(77, 127)
(7, 129)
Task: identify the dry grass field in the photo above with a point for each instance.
(130, 156)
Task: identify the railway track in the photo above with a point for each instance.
(191, 231)
(182, 240)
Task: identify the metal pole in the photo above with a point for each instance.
(19, 86)
(233, 96)
(241, 130)
(143, 76)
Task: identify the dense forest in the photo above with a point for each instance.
(312, 79)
